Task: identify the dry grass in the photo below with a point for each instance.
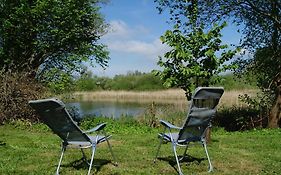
(230, 98)
(171, 94)
(175, 96)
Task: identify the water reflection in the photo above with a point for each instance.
(115, 109)
(108, 109)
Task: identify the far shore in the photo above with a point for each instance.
(229, 98)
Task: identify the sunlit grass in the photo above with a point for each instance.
(35, 150)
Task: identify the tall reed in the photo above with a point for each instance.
(172, 96)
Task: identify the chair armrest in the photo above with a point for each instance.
(97, 128)
(168, 125)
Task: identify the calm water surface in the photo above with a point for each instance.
(108, 109)
(113, 109)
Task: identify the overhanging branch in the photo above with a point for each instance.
(264, 13)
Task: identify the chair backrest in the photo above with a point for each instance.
(54, 114)
(201, 111)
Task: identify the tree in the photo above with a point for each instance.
(261, 34)
(58, 81)
(197, 55)
(87, 81)
(38, 35)
(194, 59)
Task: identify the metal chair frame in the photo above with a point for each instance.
(53, 113)
(178, 139)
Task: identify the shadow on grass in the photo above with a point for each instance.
(2, 143)
(82, 164)
(187, 160)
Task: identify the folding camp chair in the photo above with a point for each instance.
(202, 110)
(54, 114)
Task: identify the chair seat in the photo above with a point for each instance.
(175, 137)
(101, 138)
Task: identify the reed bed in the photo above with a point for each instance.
(173, 96)
(231, 97)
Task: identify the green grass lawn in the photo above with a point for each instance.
(35, 150)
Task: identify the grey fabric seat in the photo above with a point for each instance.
(201, 111)
(54, 114)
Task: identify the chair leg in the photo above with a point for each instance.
(110, 149)
(184, 154)
(84, 156)
(62, 152)
(158, 149)
(177, 159)
(209, 160)
(92, 158)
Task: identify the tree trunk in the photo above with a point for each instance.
(274, 115)
(275, 112)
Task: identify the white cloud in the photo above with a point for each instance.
(133, 40)
(150, 50)
(244, 54)
(118, 28)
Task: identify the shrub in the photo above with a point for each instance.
(240, 118)
(230, 82)
(154, 113)
(16, 89)
(137, 82)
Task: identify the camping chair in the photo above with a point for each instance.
(202, 110)
(54, 114)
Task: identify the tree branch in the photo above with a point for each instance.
(263, 13)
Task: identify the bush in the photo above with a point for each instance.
(240, 118)
(230, 82)
(135, 81)
(16, 90)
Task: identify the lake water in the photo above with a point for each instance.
(115, 109)
(108, 109)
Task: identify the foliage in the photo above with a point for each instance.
(47, 34)
(193, 60)
(148, 81)
(257, 19)
(265, 65)
(261, 30)
(233, 82)
(16, 89)
(239, 118)
(263, 33)
(136, 81)
(58, 81)
(89, 82)
(260, 19)
(86, 82)
(264, 59)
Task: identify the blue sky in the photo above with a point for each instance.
(133, 37)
